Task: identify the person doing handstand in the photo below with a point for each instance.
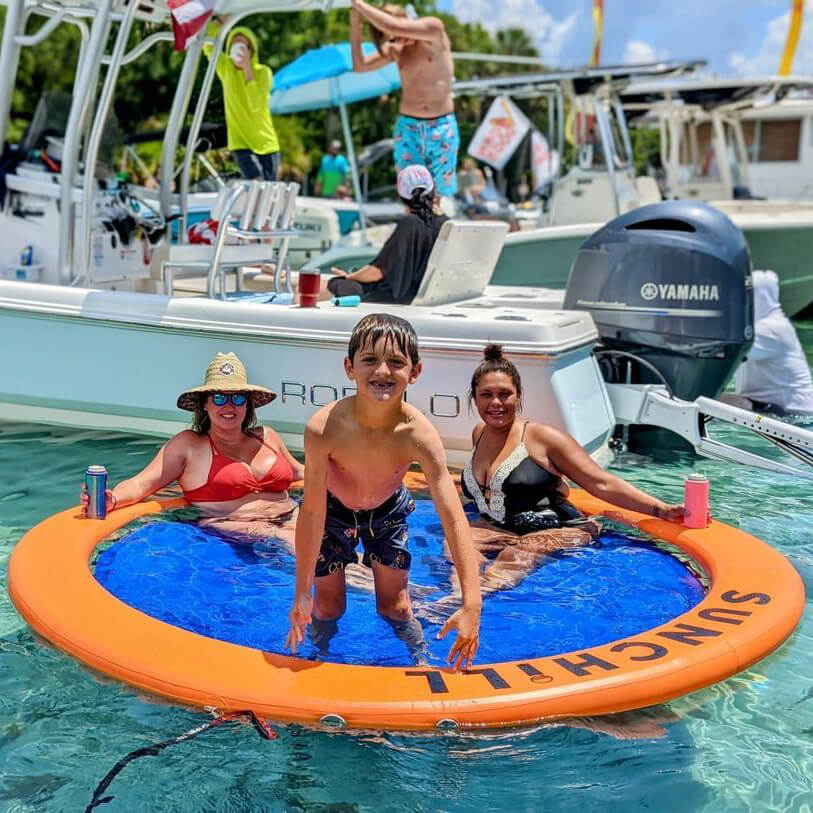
(426, 129)
(358, 450)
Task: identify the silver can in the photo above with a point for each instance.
(96, 486)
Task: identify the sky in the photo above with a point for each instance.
(735, 37)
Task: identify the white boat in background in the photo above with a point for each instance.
(103, 338)
(582, 199)
(779, 233)
(707, 129)
(779, 138)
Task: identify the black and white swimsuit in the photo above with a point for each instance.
(524, 495)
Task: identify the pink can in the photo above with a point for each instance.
(696, 501)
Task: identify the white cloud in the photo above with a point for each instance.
(637, 51)
(766, 60)
(548, 33)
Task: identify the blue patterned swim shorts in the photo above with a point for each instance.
(382, 532)
(431, 142)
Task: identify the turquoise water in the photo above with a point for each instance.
(745, 744)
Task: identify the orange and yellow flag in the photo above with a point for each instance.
(795, 28)
(598, 27)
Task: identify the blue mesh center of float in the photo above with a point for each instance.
(578, 598)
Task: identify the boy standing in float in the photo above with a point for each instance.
(426, 129)
(358, 450)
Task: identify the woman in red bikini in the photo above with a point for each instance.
(235, 472)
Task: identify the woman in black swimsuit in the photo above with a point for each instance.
(515, 477)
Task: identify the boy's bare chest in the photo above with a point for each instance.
(368, 456)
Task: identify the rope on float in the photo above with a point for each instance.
(260, 725)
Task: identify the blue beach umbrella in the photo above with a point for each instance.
(324, 77)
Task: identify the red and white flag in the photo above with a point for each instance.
(188, 17)
(545, 162)
(499, 133)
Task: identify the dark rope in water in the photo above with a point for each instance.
(260, 725)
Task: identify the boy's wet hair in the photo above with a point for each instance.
(495, 362)
(393, 329)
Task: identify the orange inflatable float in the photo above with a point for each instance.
(754, 601)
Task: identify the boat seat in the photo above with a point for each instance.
(462, 261)
(255, 225)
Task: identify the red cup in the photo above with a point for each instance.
(308, 288)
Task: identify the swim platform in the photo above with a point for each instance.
(753, 603)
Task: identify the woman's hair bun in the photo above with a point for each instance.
(493, 352)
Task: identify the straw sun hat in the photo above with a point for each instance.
(225, 373)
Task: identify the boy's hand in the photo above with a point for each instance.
(299, 618)
(467, 623)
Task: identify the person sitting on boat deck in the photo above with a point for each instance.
(775, 375)
(515, 478)
(426, 129)
(333, 171)
(236, 473)
(358, 450)
(247, 85)
(471, 181)
(395, 275)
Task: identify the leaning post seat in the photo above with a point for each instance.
(255, 225)
(462, 261)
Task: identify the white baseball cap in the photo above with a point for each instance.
(414, 177)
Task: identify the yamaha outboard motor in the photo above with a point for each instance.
(669, 288)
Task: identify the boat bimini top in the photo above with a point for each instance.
(583, 80)
(724, 93)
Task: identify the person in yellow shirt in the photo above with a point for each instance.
(247, 85)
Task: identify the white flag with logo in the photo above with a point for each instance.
(499, 133)
(544, 161)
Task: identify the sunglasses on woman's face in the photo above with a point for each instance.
(222, 398)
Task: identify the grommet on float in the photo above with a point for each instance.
(333, 720)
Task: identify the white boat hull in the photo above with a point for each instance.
(117, 360)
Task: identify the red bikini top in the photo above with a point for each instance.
(231, 479)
